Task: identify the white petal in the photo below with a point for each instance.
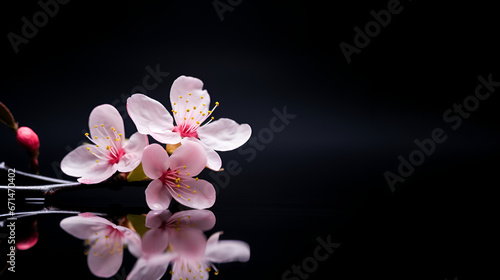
(102, 119)
(227, 251)
(214, 161)
(149, 115)
(78, 161)
(224, 134)
(187, 89)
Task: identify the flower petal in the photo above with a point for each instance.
(155, 218)
(226, 251)
(199, 195)
(78, 161)
(148, 114)
(132, 239)
(102, 119)
(153, 268)
(214, 161)
(224, 134)
(201, 219)
(190, 158)
(166, 137)
(188, 242)
(133, 152)
(187, 89)
(136, 143)
(129, 162)
(104, 261)
(98, 173)
(84, 225)
(154, 242)
(157, 196)
(179, 271)
(155, 161)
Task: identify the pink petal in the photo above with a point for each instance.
(224, 134)
(129, 162)
(98, 173)
(214, 161)
(151, 117)
(166, 137)
(226, 251)
(77, 161)
(136, 143)
(183, 86)
(199, 195)
(83, 227)
(155, 161)
(179, 271)
(157, 195)
(132, 239)
(201, 219)
(190, 158)
(188, 242)
(154, 242)
(153, 268)
(155, 218)
(104, 261)
(108, 116)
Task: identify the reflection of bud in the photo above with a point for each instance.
(28, 235)
(28, 140)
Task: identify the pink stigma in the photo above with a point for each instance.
(115, 158)
(185, 130)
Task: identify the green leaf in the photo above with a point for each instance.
(139, 223)
(137, 174)
(6, 117)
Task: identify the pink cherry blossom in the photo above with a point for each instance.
(183, 231)
(198, 267)
(110, 151)
(190, 108)
(185, 228)
(153, 260)
(173, 176)
(106, 242)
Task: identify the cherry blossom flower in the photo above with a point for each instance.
(105, 239)
(173, 177)
(110, 152)
(190, 108)
(198, 267)
(153, 260)
(184, 232)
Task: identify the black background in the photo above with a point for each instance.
(323, 174)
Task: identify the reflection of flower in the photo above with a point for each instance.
(198, 267)
(190, 107)
(111, 152)
(184, 229)
(173, 177)
(153, 261)
(105, 240)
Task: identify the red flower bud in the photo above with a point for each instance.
(28, 140)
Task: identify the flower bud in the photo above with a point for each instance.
(28, 140)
